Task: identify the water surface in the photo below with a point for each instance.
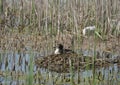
(20, 69)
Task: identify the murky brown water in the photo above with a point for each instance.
(15, 70)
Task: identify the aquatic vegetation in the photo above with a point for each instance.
(35, 26)
(61, 62)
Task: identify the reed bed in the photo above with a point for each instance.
(52, 21)
(37, 25)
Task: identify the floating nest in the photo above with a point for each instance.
(65, 63)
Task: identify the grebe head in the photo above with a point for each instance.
(59, 49)
(60, 46)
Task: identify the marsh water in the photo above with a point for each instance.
(20, 69)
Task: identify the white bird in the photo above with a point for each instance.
(88, 30)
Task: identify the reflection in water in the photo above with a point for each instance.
(15, 69)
